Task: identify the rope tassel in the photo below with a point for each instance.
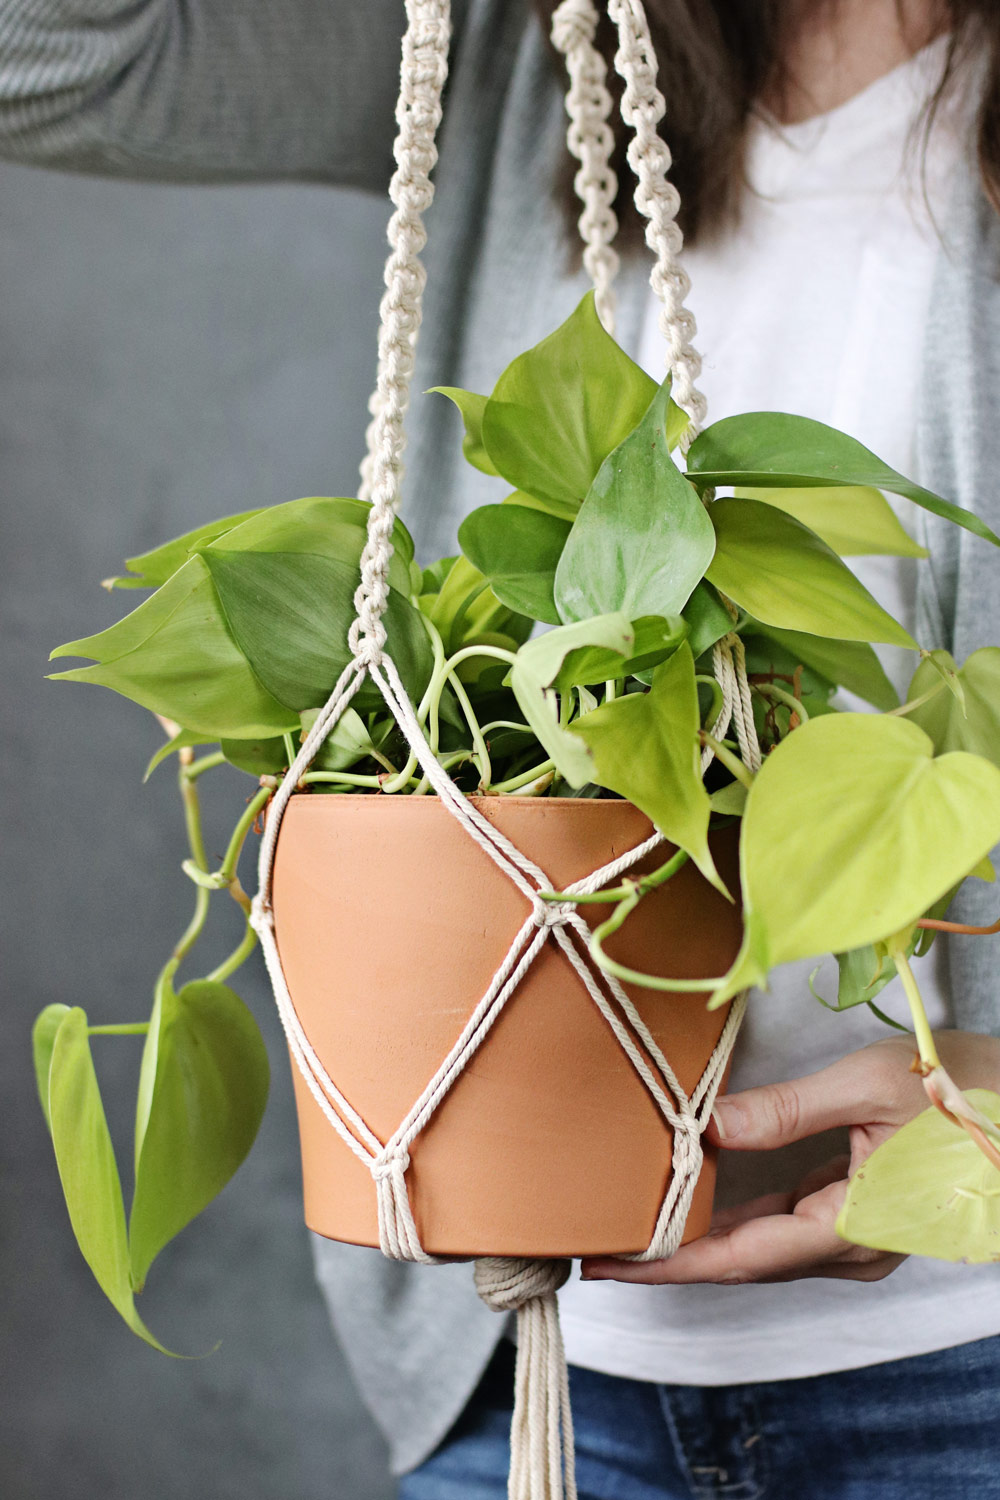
(541, 1434)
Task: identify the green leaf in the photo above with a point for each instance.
(871, 829)
(730, 801)
(517, 549)
(928, 1190)
(184, 739)
(645, 748)
(257, 757)
(977, 728)
(557, 412)
(43, 1039)
(780, 571)
(849, 664)
(536, 668)
(157, 566)
(347, 742)
(775, 450)
(862, 974)
(643, 539)
(289, 613)
(88, 1170)
(472, 408)
(207, 1102)
(465, 610)
(176, 656)
(854, 521)
(323, 527)
(654, 639)
(943, 663)
(707, 617)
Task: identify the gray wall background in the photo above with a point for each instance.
(166, 355)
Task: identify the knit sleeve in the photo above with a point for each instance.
(202, 90)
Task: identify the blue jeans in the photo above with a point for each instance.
(916, 1429)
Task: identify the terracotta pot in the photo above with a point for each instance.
(390, 923)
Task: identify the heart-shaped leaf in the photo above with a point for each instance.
(645, 748)
(848, 664)
(472, 408)
(289, 614)
(928, 1190)
(557, 412)
(708, 619)
(88, 1170)
(536, 668)
(777, 451)
(854, 521)
(207, 1101)
(642, 540)
(517, 549)
(257, 757)
(784, 575)
(150, 569)
(852, 831)
(43, 1039)
(653, 640)
(966, 721)
(324, 527)
(347, 742)
(176, 656)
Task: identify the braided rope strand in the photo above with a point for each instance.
(658, 201)
(590, 141)
(418, 114)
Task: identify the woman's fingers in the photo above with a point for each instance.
(775, 1247)
(861, 1089)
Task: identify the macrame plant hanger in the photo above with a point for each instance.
(542, 1466)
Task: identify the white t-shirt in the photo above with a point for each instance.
(816, 305)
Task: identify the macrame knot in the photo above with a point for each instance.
(390, 1164)
(548, 914)
(506, 1283)
(574, 23)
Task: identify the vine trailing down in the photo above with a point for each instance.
(855, 830)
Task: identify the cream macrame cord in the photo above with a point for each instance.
(542, 1466)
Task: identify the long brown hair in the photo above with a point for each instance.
(718, 58)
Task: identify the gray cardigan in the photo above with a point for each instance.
(214, 91)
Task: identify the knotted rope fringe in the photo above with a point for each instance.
(541, 1437)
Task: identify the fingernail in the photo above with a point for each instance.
(591, 1273)
(728, 1119)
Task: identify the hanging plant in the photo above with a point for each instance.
(615, 635)
(856, 828)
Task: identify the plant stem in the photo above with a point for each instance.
(206, 763)
(238, 956)
(607, 929)
(727, 758)
(516, 782)
(643, 885)
(905, 708)
(126, 1028)
(921, 1026)
(345, 778)
(196, 843)
(772, 690)
(231, 858)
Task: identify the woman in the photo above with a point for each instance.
(821, 287)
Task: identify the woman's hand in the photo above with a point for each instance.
(787, 1236)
